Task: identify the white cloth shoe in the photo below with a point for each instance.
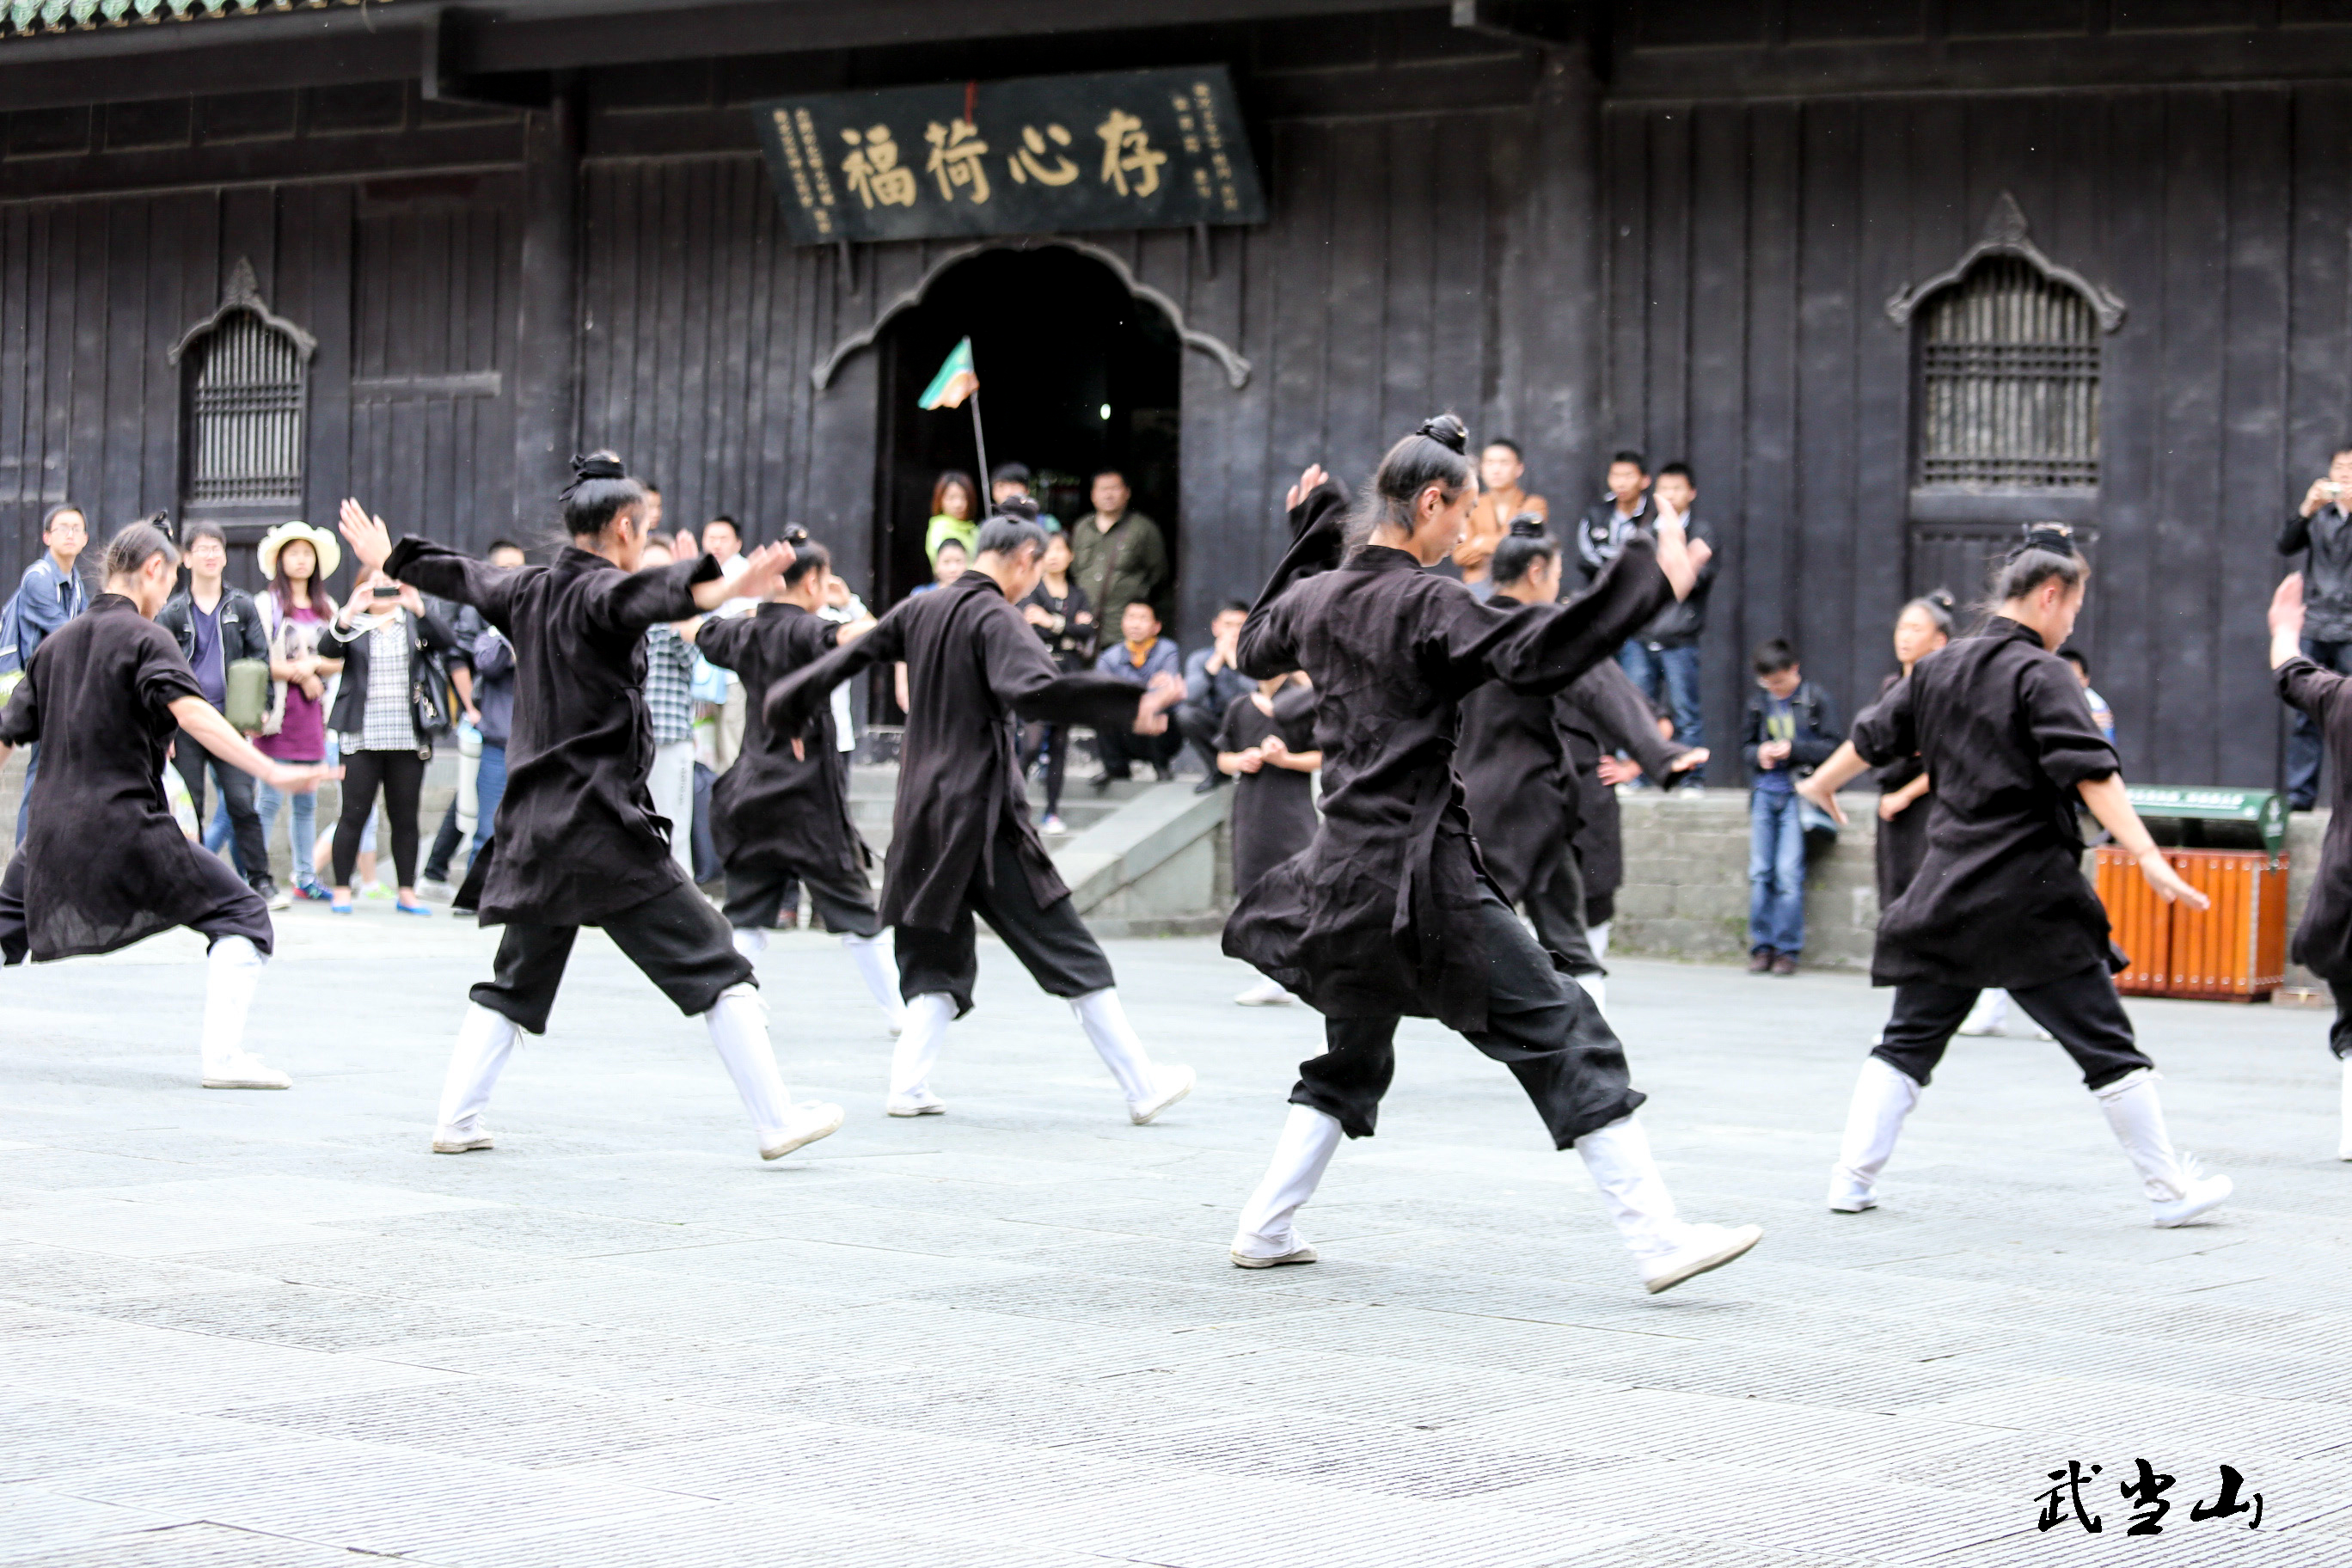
(1597, 938)
(1597, 987)
(1991, 1016)
(911, 1060)
(2178, 1189)
(738, 1023)
(1668, 1249)
(1265, 993)
(1266, 1238)
(1149, 1089)
(2343, 1139)
(749, 940)
(485, 1040)
(879, 970)
(1883, 1096)
(232, 970)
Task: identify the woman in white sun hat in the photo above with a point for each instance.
(297, 559)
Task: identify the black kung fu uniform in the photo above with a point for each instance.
(576, 841)
(1903, 842)
(778, 819)
(1606, 713)
(960, 839)
(103, 864)
(2322, 941)
(2002, 725)
(1389, 910)
(1274, 809)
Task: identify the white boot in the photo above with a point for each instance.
(1265, 993)
(2344, 1140)
(1883, 1096)
(1597, 938)
(232, 970)
(879, 970)
(1265, 1237)
(1597, 987)
(485, 1040)
(738, 1023)
(927, 1018)
(1668, 1250)
(750, 941)
(1990, 1012)
(2178, 1191)
(1148, 1089)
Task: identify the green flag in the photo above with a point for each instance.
(956, 381)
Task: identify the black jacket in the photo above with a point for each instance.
(2327, 535)
(426, 634)
(1817, 731)
(242, 635)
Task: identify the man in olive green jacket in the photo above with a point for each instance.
(1116, 555)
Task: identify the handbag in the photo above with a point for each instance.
(248, 696)
(275, 719)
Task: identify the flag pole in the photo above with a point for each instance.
(980, 441)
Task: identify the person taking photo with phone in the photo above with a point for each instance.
(2321, 532)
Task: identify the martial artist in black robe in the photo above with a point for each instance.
(780, 817)
(2323, 939)
(103, 864)
(1273, 814)
(1389, 911)
(2000, 724)
(576, 841)
(961, 841)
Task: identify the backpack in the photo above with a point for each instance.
(12, 666)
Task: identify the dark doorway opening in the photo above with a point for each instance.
(1075, 374)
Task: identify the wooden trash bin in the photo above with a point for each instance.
(2235, 950)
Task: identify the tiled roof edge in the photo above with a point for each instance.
(31, 18)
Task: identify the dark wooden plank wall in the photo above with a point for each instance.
(1751, 249)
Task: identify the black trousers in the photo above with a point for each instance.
(2081, 1011)
(445, 847)
(676, 939)
(1053, 742)
(1557, 906)
(252, 852)
(1052, 942)
(400, 776)
(231, 908)
(1539, 1024)
(755, 899)
(1122, 748)
(1198, 724)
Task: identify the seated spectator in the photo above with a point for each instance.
(1791, 729)
(1139, 654)
(1212, 686)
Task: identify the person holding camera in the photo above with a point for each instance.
(2321, 532)
(386, 711)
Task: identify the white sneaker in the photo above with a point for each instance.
(244, 1070)
(1169, 1086)
(1850, 1194)
(916, 1102)
(439, 891)
(1265, 993)
(1704, 1247)
(449, 1141)
(810, 1122)
(1302, 1253)
(2199, 1193)
(282, 899)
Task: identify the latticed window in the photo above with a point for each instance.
(2009, 374)
(244, 416)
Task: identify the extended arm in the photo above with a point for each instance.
(792, 702)
(1027, 680)
(1544, 648)
(1620, 717)
(1318, 515)
(2111, 803)
(201, 719)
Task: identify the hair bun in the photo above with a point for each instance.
(1942, 599)
(1020, 509)
(795, 535)
(599, 466)
(1528, 525)
(2056, 538)
(1448, 432)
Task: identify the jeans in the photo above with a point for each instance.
(302, 827)
(1668, 677)
(2303, 742)
(1776, 873)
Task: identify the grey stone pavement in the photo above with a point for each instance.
(273, 1330)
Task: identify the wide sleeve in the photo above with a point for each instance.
(1294, 715)
(791, 702)
(724, 640)
(2305, 685)
(1539, 649)
(2065, 738)
(627, 603)
(446, 574)
(1883, 732)
(1027, 680)
(162, 675)
(1622, 718)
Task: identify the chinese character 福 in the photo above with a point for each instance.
(1026, 162)
(2146, 1492)
(1127, 150)
(955, 149)
(2227, 1503)
(874, 172)
(2070, 1485)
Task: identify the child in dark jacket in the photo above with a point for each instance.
(1791, 729)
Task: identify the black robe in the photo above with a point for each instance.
(2322, 941)
(576, 837)
(974, 668)
(1902, 842)
(1524, 774)
(1607, 712)
(103, 863)
(773, 811)
(1274, 809)
(1380, 914)
(2002, 727)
